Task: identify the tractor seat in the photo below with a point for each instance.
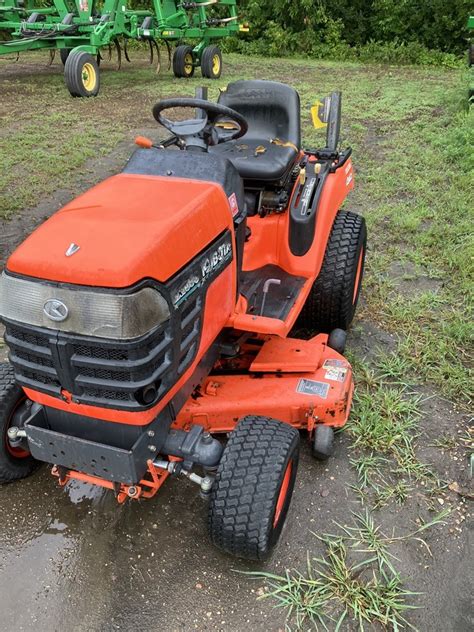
(272, 111)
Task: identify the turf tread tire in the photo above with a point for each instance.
(11, 468)
(330, 302)
(247, 485)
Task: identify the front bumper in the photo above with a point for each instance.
(115, 452)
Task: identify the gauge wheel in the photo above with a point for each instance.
(81, 74)
(183, 62)
(211, 62)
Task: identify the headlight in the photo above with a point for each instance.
(82, 311)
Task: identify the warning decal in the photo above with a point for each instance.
(311, 387)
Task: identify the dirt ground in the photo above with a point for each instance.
(72, 560)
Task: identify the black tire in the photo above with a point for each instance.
(64, 54)
(211, 62)
(12, 467)
(323, 442)
(183, 61)
(81, 74)
(333, 298)
(337, 340)
(253, 487)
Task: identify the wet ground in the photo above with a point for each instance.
(72, 560)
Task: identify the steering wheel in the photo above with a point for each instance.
(218, 123)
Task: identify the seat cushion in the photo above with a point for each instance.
(268, 165)
(272, 111)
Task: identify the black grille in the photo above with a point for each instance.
(94, 371)
(102, 372)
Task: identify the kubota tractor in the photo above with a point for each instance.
(151, 315)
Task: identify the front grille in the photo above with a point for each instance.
(104, 372)
(97, 372)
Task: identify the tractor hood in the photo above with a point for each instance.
(127, 228)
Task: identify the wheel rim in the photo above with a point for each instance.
(358, 276)
(89, 77)
(17, 453)
(282, 496)
(188, 63)
(216, 64)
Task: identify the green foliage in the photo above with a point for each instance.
(431, 32)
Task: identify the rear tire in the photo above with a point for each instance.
(81, 74)
(211, 62)
(183, 62)
(14, 462)
(333, 298)
(253, 487)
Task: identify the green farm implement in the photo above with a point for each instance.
(82, 29)
(470, 58)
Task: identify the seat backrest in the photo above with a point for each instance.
(272, 109)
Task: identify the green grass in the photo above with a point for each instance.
(355, 580)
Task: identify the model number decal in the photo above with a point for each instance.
(216, 259)
(208, 265)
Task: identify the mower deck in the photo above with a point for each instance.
(313, 382)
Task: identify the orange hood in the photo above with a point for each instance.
(128, 227)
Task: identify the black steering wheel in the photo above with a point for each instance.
(217, 123)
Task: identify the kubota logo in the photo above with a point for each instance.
(55, 310)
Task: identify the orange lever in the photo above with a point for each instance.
(143, 141)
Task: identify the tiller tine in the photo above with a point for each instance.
(52, 55)
(126, 51)
(119, 54)
(168, 47)
(158, 56)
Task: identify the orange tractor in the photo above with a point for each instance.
(150, 317)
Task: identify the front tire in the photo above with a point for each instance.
(81, 74)
(333, 298)
(253, 487)
(15, 463)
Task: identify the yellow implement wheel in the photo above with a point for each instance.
(211, 62)
(183, 62)
(81, 73)
(89, 77)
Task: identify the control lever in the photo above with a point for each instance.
(266, 287)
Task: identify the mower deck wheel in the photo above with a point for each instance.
(332, 300)
(253, 487)
(81, 74)
(183, 61)
(337, 340)
(15, 463)
(211, 62)
(323, 442)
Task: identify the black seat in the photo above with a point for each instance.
(272, 111)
